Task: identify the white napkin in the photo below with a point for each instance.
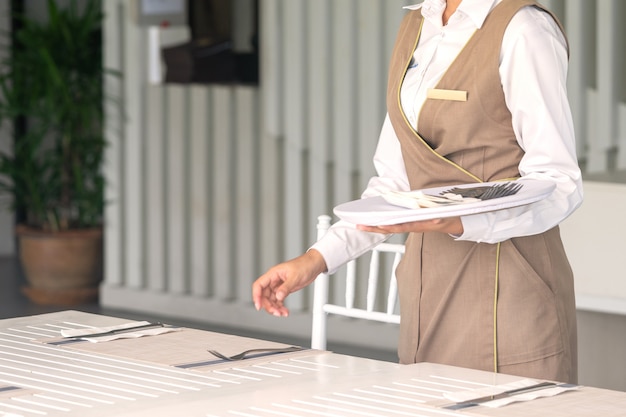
(151, 331)
(463, 396)
(417, 199)
(528, 396)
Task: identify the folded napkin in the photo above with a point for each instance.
(123, 331)
(548, 391)
(418, 199)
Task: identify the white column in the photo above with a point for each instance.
(319, 103)
(580, 35)
(621, 154)
(602, 130)
(295, 92)
(271, 112)
(114, 246)
(176, 188)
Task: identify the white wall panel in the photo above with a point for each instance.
(295, 92)
(246, 191)
(620, 82)
(371, 92)
(605, 121)
(621, 147)
(271, 135)
(115, 242)
(344, 92)
(223, 198)
(176, 182)
(154, 191)
(318, 103)
(578, 15)
(595, 245)
(199, 177)
(133, 67)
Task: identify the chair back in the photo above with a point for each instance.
(322, 307)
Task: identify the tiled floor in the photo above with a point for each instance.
(14, 304)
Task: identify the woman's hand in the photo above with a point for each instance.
(270, 289)
(450, 225)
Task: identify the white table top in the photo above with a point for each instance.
(173, 375)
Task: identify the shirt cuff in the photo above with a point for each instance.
(343, 242)
(474, 228)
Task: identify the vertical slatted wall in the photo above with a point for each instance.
(210, 185)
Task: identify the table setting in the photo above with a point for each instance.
(191, 372)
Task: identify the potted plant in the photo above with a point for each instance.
(52, 82)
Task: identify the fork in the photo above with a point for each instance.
(487, 192)
(245, 353)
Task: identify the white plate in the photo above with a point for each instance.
(375, 211)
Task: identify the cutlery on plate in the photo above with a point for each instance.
(452, 196)
(486, 192)
(245, 353)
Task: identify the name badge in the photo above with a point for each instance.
(453, 95)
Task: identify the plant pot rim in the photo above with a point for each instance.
(29, 231)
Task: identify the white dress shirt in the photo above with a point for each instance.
(533, 70)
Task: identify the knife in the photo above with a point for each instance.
(117, 331)
(505, 394)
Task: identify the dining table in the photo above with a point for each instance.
(73, 363)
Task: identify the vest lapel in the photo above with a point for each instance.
(415, 150)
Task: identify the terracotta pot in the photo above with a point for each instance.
(61, 267)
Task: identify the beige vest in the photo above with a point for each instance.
(448, 289)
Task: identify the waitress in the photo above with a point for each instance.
(476, 93)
